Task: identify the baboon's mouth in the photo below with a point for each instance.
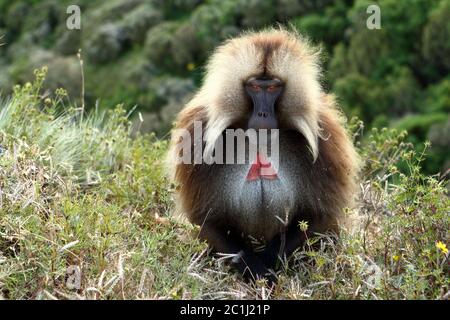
(261, 169)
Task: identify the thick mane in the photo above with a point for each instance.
(312, 186)
(304, 105)
(276, 53)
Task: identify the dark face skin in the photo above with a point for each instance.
(264, 93)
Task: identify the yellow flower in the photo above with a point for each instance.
(190, 66)
(441, 246)
(303, 225)
(396, 258)
(61, 92)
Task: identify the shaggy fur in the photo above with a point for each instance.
(318, 175)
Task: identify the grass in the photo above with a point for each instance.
(85, 213)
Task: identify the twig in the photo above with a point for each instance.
(82, 85)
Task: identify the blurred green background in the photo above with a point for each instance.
(151, 54)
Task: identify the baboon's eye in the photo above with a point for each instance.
(255, 87)
(271, 88)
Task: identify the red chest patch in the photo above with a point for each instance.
(261, 169)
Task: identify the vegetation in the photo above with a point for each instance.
(79, 196)
(150, 53)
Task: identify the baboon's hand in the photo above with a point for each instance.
(252, 268)
(270, 254)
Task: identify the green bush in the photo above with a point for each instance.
(436, 47)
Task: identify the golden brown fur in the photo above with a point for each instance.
(220, 103)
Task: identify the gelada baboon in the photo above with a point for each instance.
(265, 80)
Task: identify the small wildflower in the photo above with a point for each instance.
(28, 85)
(393, 169)
(48, 101)
(61, 92)
(190, 66)
(303, 225)
(441, 246)
(40, 73)
(396, 258)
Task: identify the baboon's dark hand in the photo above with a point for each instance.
(270, 255)
(251, 267)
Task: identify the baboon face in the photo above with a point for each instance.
(260, 81)
(263, 93)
